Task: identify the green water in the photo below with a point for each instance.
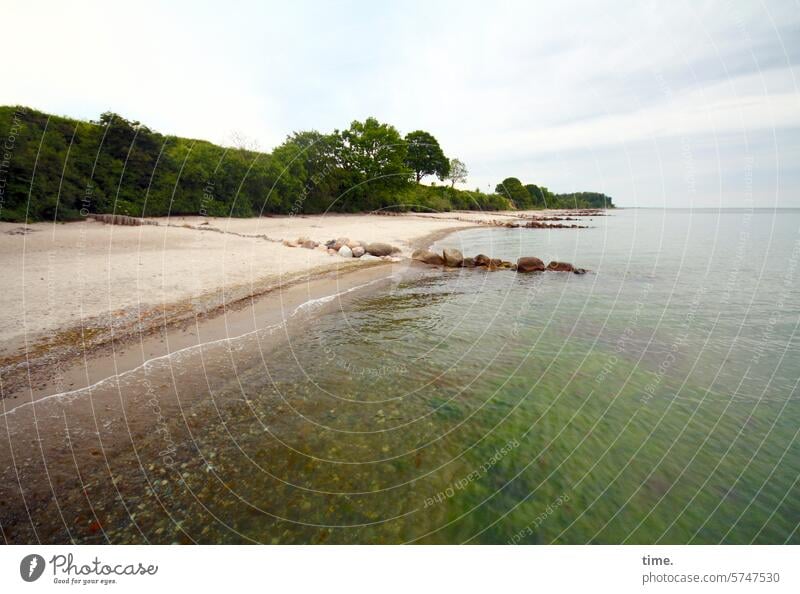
(653, 400)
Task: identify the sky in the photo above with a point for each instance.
(657, 104)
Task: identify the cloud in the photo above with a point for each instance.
(507, 87)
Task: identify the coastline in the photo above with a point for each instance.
(130, 290)
(67, 356)
(106, 389)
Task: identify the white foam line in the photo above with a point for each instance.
(298, 309)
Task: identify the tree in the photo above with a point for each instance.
(513, 189)
(372, 157)
(63, 169)
(372, 149)
(425, 156)
(458, 172)
(537, 196)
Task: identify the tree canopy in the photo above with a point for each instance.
(56, 168)
(425, 156)
(513, 189)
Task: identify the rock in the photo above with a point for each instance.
(331, 251)
(345, 252)
(468, 263)
(579, 270)
(289, 243)
(337, 245)
(358, 251)
(560, 267)
(505, 265)
(352, 244)
(452, 257)
(330, 243)
(530, 264)
(496, 263)
(368, 257)
(428, 257)
(381, 249)
(482, 260)
(309, 245)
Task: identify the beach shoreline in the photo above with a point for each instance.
(130, 289)
(32, 361)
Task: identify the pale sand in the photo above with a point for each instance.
(71, 289)
(76, 274)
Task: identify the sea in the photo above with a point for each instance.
(653, 399)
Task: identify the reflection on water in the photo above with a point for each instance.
(652, 400)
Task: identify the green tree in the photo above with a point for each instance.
(513, 189)
(537, 196)
(65, 169)
(372, 150)
(425, 156)
(372, 157)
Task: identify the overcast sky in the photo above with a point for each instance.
(654, 103)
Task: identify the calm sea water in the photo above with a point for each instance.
(652, 400)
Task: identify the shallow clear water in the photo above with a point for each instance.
(654, 399)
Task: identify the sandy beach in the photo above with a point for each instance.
(71, 289)
(76, 292)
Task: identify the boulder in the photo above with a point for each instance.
(428, 257)
(560, 267)
(289, 243)
(345, 252)
(352, 244)
(468, 263)
(530, 264)
(330, 243)
(452, 257)
(358, 251)
(482, 260)
(380, 249)
(337, 245)
(309, 244)
(331, 251)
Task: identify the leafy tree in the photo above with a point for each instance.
(425, 156)
(458, 172)
(513, 189)
(372, 150)
(538, 199)
(64, 169)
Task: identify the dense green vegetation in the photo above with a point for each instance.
(56, 168)
(532, 196)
